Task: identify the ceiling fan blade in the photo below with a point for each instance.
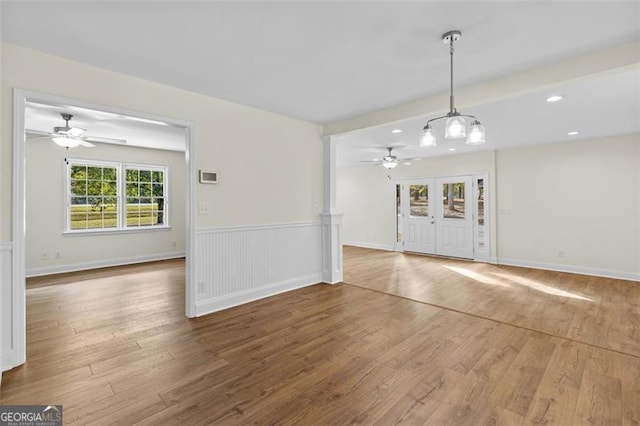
(86, 144)
(105, 140)
(371, 161)
(76, 131)
(37, 133)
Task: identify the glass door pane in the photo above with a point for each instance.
(453, 201)
(418, 200)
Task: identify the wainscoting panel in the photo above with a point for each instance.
(6, 296)
(241, 264)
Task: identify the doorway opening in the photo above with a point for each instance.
(16, 351)
(444, 216)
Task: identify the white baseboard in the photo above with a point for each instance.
(209, 306)
(103, 263)
(571, 269)
(369, 245)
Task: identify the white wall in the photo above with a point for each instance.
(46, 212)
(366, 196)
(270, 166)
(580, 198)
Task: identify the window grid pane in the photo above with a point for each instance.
(145, 202)
(93, 196)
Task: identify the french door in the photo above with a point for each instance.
(418, 216)
(437, 216)
(454, 217)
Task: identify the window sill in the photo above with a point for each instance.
(116, 231)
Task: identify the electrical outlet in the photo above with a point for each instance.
(174, 244)
(45, 255)
(57, 255)
(203, 209)
(200, 286)
(560, 253)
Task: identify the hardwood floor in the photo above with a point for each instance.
(603, 312)
(115, 348)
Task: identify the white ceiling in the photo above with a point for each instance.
(317, 61)
(596, 107)
(143, 134)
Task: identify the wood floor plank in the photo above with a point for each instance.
(557, 394)
(599, 401)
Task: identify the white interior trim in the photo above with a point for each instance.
(227, 301)
(20, 98)
(221, 229)
(606, 273)
(103, 263)
(371, 246)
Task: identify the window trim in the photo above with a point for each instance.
(121, 196)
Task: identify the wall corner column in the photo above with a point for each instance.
(331, 218)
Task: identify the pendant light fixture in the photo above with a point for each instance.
(455, 126)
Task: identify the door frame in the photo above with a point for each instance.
(487, 210)
(17, 355)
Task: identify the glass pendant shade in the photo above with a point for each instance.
(66, 142)
(476, 135)
(427, 138)
(455, 128)
(389, 164)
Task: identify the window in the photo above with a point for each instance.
(145, 196)
(108, 196)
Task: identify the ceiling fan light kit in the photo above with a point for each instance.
(455, 126)
(66, 141)
(389, 164)
(389, 161)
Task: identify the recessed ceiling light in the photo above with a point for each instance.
(407, 164)
(573, 133)
(554, 98)
(452, 149)
(396, 131)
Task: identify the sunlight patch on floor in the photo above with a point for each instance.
(476, 276)
(535, 285)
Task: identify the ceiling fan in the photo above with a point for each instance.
(71, 137)
(389, 161)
